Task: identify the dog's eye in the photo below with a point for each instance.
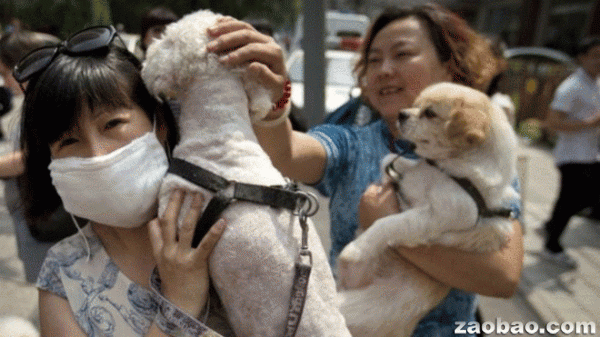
(428, 113)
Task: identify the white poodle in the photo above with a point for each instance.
(458, 194)
(252, 266)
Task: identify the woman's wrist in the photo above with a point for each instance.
(171, 319)
(274, 121)
(280, 110)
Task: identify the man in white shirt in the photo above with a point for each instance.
(575, 115)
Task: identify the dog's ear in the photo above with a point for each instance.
(468, 124)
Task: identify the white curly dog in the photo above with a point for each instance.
(252, 266)
(466, 147)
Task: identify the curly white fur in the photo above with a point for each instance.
(252, 266)
(467, 137)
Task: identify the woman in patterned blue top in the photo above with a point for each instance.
(404, 51)
(95, 139)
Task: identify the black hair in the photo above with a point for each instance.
(55, 99)
(586, 44)
(156, 16)
(264, 26)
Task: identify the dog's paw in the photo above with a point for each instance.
(353, 253)
(355, 268)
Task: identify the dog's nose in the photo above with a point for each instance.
(403, 116)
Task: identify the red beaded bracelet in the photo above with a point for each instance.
(287, 93)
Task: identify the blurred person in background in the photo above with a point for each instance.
(33, 239)
(153, 23)
(498, 97)
(575, 115)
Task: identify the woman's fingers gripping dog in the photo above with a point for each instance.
(183, 270)
(239, 44)
(163, 230)
(376, 202)
(188, 225)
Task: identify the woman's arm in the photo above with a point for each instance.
(295, 154)
(559, 121)
(492, 274)
(56, 317)
(11, 165)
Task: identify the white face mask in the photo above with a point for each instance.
(118, 189)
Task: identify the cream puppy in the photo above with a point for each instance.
(457, 194)
(252, 266)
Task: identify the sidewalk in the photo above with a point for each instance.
(558, 294)
(555, 294)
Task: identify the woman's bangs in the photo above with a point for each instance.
(102, 86)
(94, 85)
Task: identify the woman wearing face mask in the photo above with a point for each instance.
(404, 51)
(94, 138)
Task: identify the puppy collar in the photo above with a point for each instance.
(482, 210)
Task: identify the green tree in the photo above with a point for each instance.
(101, 12)
(64, 17)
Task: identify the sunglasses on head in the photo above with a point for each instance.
(87, 41)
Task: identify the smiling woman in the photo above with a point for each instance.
(405, 50)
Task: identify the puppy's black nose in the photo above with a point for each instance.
(403, 116)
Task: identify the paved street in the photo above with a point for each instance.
(547, 293)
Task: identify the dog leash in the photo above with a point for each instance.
(302, 204)
(465, 184)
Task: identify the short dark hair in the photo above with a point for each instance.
(586, 44)
(156, 16)
(55, 99)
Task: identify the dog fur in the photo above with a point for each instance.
(252, 266)
(466, 136)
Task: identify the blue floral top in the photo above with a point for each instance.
(353, 157)
(104, 301)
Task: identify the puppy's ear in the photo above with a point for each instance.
(468, 125)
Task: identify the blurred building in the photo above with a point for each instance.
(556, 24)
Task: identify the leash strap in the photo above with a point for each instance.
(226, 191)
(217, 204)
(300, 284)
(482, 208)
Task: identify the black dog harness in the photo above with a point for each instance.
(467, 185)
(288, 197)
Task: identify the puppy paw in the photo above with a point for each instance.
(355, 268)
(353, 253)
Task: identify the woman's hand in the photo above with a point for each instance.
(239, 44)
(183, 270)
(378, 201)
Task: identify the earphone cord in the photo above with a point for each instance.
(85, 239)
